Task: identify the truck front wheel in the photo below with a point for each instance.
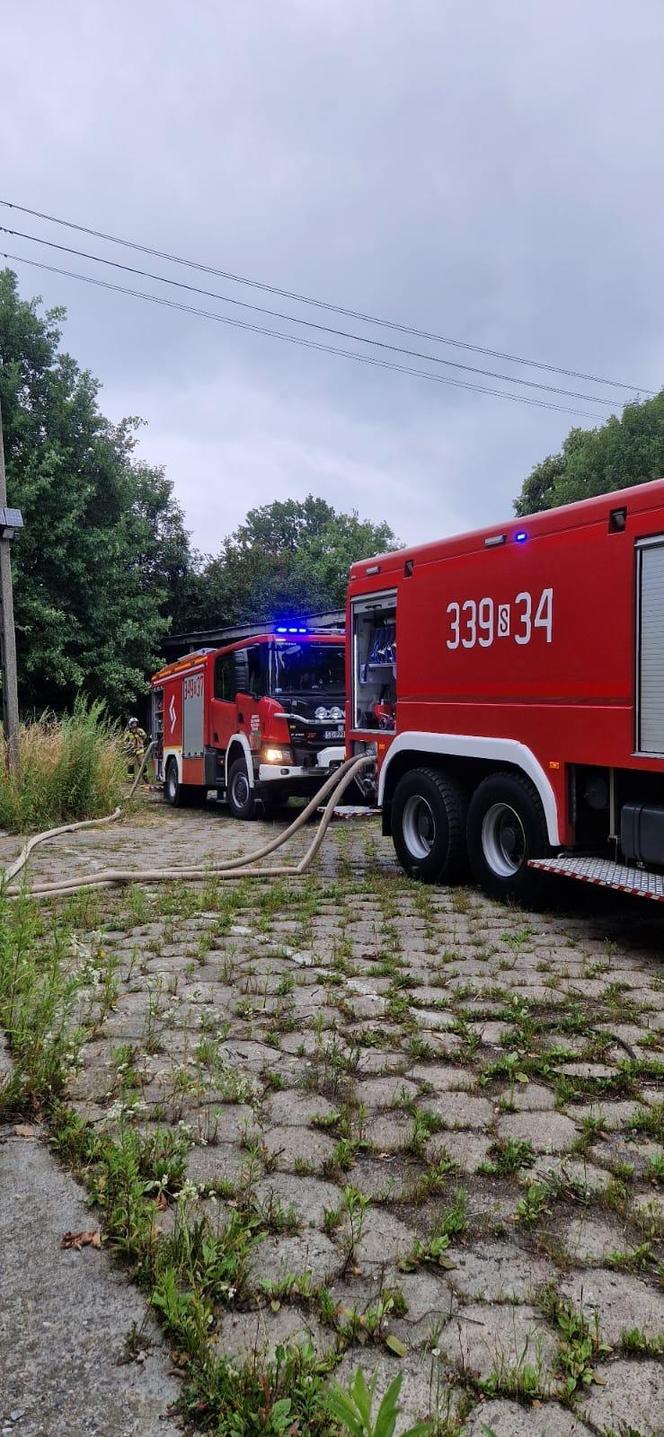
(506, 828)
(428, 825)
(240, 794)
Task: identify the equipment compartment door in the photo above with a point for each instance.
(650, 678)
(374, 673)
(192, 728)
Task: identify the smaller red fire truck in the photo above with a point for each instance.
(258, 720)
(510, 683)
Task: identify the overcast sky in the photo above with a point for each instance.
(490, 172)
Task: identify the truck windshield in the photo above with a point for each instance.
(308, 668)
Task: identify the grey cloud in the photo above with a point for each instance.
(491, 172)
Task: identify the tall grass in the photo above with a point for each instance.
(69, 768)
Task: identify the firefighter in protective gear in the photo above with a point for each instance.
(135, 740)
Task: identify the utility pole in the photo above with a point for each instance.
(10, 520)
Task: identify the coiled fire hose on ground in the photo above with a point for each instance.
(243, 867)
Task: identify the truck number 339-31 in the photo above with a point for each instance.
(484, 622)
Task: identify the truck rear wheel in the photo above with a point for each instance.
(239, 793)
(506, 828)
(428, 825)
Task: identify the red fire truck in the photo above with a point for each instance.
(257, 720)
(511, 685)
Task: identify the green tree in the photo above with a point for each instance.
(624, 451)
(104, 557)
(288, 558)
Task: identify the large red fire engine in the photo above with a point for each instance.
(511, 685)
(257, 720)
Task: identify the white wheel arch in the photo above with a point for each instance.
(498, 750)
(240, 744)
(174, 754)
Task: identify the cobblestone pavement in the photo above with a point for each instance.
(449, 1115)
(65, 1316)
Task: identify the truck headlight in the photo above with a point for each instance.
(277, 755)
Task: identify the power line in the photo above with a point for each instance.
(310, 324)
(295, 338)
(323, 304)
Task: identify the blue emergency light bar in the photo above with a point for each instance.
(289, 629)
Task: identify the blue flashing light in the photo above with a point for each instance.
(281, 629)
(520, 536)
(292, 630)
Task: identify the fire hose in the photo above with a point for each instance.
(243, 867)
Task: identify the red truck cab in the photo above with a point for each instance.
(258, 720)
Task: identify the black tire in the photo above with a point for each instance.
(506, 827)
(429, 825)
(173, 789)
(240, 796)
(182, 795)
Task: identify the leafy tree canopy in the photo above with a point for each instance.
(104, 566)
(104, 557)
(288, 558)
(622, 452)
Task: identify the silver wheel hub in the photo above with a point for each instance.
(418, 826)
(240, 789)
(503, 840)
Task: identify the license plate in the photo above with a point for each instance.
(333, 733)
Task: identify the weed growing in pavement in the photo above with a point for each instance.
(452, 1223)
(343, 1157)
(592, 1128)
(419, 1050)
(124, 1059)
(635, 1343)
(353, 1211)
(469, 1036)
(353, 1410)
(535, 1202)
(523, 1380)
(332, 1068)
(508, 1155)
(434, 1179)
(275, 1398)
(632, 1259)
(370, 1325)
(648, 1122)
(654, 1172)
(278, 1218)
(425, 1124)
(579, 1341)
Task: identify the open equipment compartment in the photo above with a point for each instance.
(375, 662)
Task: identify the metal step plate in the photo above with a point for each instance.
(606, 874)
(355, 810)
